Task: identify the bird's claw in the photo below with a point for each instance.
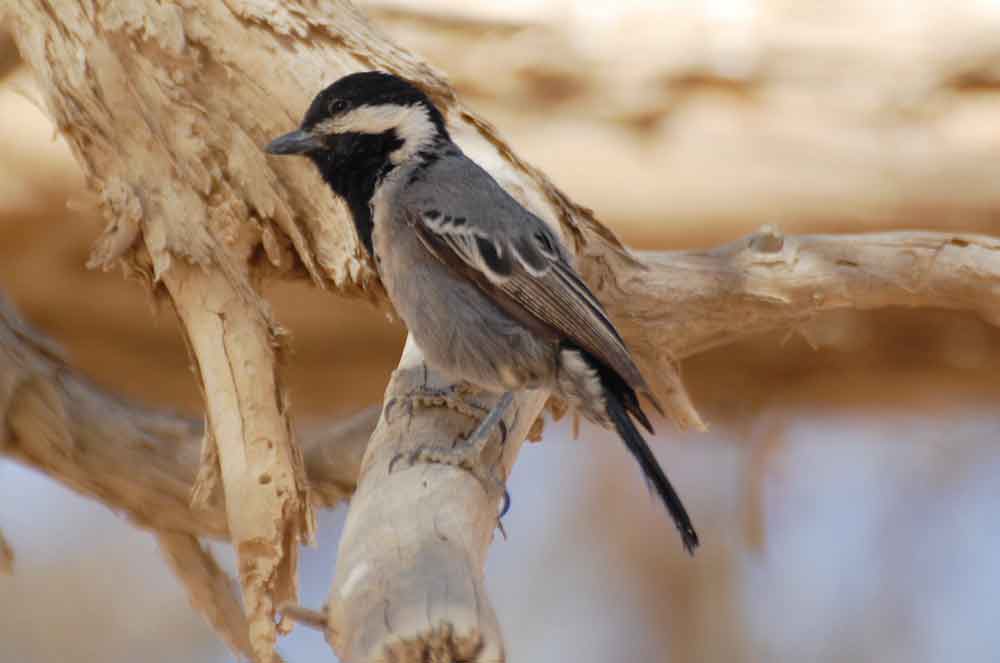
(452, 397)
(467, 453)
(467, 456)
(506, 503)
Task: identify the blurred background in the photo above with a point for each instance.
(847, 492)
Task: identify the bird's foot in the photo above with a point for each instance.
(467, 457)
(467, 453)
(453, 397)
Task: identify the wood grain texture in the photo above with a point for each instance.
(249, 443)
(165, 105)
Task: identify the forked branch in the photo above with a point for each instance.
(165, 107)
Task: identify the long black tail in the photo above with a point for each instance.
(621, 400)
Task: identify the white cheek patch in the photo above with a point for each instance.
(412, 124)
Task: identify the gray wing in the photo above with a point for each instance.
(474, 226)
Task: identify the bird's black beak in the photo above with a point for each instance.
(296, 142)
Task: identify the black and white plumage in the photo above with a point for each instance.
(485, 288)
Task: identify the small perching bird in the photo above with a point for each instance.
(486, 289)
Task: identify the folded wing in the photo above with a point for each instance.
(521, 265)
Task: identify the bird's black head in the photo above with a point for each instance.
(360, 128)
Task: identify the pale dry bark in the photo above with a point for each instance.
(165, 106)
(137, 461)
(142, 463)
(165, 115)
(249, 442)
(410, 571)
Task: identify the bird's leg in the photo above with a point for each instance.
(478, 438)
(466, 453)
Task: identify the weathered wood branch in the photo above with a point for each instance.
(166, 117)
(682, 302)
(137, 461)
(686, 302)
(165, 107)
(209, 589)
(249, 444)
(410, 571)
(143, 463)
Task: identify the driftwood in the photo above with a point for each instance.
(165, 109)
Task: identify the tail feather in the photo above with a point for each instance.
(630, 403)
(587, 382)
(655, 476)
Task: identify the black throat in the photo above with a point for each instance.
(353, 168)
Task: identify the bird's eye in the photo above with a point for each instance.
(338, 106)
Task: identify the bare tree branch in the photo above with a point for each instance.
(684, 302)
(209, 588)
(410, 570)
(144, 462)
(668, 304)
(261, 468)
(6, 556)
(165, 107)
(134, 460)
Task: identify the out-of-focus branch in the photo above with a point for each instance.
(137, 461)
(6, 556)
(209, 589)
(731, 119)
(165, 108)
(679, 302)
(9, 58)
(686, 302)
(143, 462)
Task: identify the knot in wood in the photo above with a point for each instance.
(768, 239)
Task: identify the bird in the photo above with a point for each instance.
(485, 288)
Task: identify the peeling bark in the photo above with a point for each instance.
(250, 439)
(166, 117)
(165, 105)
